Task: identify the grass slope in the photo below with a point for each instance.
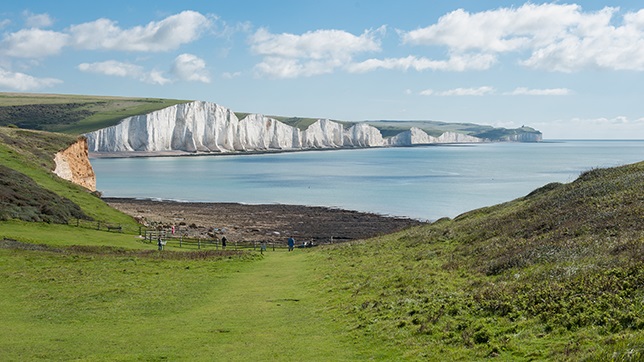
(74, 305)
(556, 275)
(73, 114)
(31, 154)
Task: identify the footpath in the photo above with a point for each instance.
(271, 311)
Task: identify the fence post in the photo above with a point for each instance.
(98, 225)
(180, 240)
(77, 222)
(199, 243)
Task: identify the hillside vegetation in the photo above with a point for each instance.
(555, 275)
(29, 190)
(73, 114)
(79, 114)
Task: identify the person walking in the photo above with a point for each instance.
(262, 247)
(223, 243)
(291, 243)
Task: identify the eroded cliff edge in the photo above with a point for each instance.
(73, 164)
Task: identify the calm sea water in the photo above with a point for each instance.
(417, 182)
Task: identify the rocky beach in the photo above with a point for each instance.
(269, 222)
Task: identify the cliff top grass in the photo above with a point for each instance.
(73, 114)
(79, 114)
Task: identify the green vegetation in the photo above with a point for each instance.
(31, 154)
(556, 275)
(72, 114)
(21, 198)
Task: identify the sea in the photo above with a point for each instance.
(423, 182)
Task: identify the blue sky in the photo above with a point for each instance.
(569, 69)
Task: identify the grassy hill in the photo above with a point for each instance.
(555, 275)
(29, 189)
(73, 114)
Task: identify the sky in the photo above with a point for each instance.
(573, 70)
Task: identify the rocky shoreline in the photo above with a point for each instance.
(269, 222)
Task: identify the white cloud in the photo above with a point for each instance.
(555, 37)
(312, 53)
(33, 43)
(4, 22)
(458, 63)
(190, 67)
(37, 20)
(24, 82)
(128, 70)
(541, 92)
(164, 35)
(480, 91)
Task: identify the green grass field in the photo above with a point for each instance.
(100, 306)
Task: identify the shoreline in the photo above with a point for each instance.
(179, 153)
(268, 222)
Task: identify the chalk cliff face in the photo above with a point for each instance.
(208, 127)
(72, 164)
(416, 136)
(524, 137)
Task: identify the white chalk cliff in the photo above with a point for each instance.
(208, 127)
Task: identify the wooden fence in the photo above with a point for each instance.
(179, 239)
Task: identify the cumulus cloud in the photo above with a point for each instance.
(128, 70)
(190, 67)
(37, 20)
(33, 43)
(167, 34)
(312, 53)
(486, 90)
(541, 92)
(553, 37)
(24, 82)
(455, 63)
(480, 91)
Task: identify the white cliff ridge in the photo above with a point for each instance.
(208, 127)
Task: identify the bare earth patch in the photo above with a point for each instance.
(273, 222)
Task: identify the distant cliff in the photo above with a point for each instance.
(208, 127)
